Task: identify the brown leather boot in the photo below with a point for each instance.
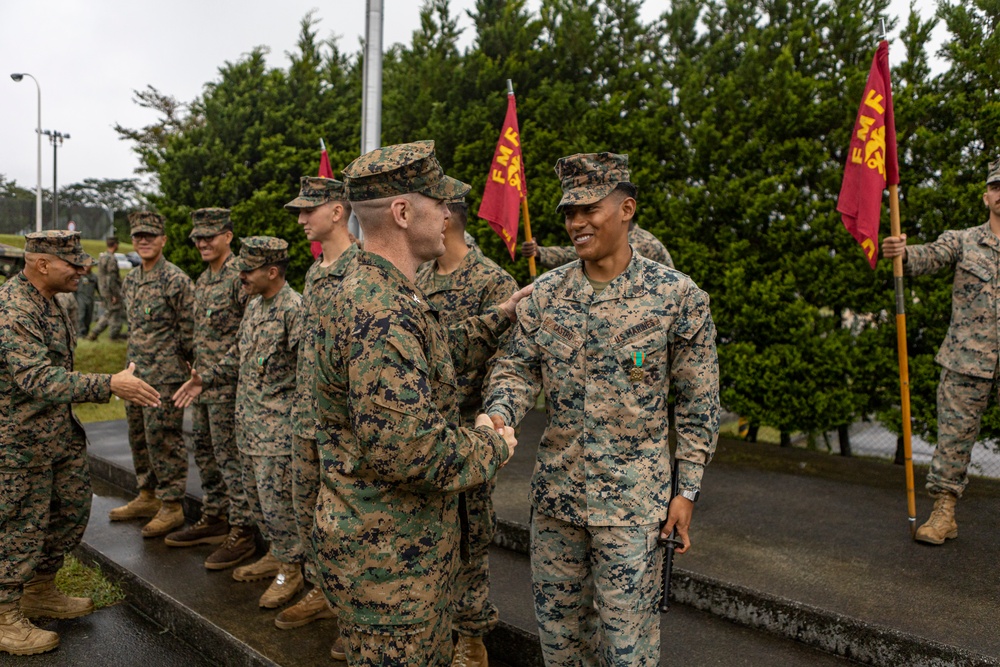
(19, 636)
(284, 587)
(170, 516)
(470, 652)
(41, 599)
(239, 546)
(312, 607)
(145, 506)
(337, 651)
(209, 530)
(941, 525)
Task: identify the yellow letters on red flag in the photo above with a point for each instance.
(505, 185)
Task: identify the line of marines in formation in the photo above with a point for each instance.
(360, 425)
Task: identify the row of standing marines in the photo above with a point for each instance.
(359, 426)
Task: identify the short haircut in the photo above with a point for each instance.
(281, 265)
(112, 241)
(459, 213)
(228, 227)
(626, 189)
(347, 207)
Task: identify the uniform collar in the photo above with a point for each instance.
(340, 266)
(149, 275)
(987, 237)
(628, 284)
(456, 279)
(395, 279)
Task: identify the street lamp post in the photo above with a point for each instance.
(56, 137)
(38, 192)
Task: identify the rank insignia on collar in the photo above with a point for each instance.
(416, 298)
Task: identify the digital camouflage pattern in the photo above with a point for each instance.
(315, 191)
(268, 484)
(85, 293)
(258, 251)
(993, 172)
(971, 346)
(159, 304)
(606, 365)
(320, 284)
(44, 477)
(208, 222)
(109, 284)
(62, 243)
(971, 349)
(219, 304)
(587, 178)
(623, 630)
(424, 645)
(961, 401)
(475, 286)
(67, 302)
(642, 242)
(145, 222)
(392, 456)
(401, 169)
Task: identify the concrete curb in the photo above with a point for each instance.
(827, 631)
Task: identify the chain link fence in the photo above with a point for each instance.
(17, 216)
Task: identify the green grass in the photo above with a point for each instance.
(92, 247)
(101, 356)
(77, 580)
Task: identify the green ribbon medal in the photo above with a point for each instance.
(637, 373)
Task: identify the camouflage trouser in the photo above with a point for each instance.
(268, 484)
(595, 592)
(158, 452)
(961, 401)
(43, 513)
(112, 316)
(219, 463)
(425, 645)
(473, 614)
(85, 315)
(305, 490)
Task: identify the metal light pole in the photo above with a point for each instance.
(371, 97)
(56, 137)
(38, 191)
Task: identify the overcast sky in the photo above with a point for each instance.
(90, 56)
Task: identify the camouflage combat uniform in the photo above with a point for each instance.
(264, 360)
(970, 352)
(392, 456)
(44, 477)
(219, 304)
(641, 241)
(475, 286)
(67, 302)
(109, 283)
(159, 304)
(601, 487)
(85, 303)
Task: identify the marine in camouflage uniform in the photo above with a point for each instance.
(264, 359)
(159, 302)
(606, 348)
(644, 243)
(969, 354)
(109, 283)
(45, 489)
(85, 302)
(323, 211)
(219, 304)
(393, 457)
(459, 291)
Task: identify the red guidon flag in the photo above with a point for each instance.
(325, 171)
(505, 184)
(871, 159)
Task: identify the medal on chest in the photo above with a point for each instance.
(637, 373)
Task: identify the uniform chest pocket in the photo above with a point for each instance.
(643, 353)
(977, 267)
(557, 341)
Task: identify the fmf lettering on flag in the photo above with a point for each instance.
(872, 164)
(505, 185)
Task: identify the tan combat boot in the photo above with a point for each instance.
(145, 506)
(284, 587)
(268, 566)
(170, 516)
(941, 526)
(337, 651)
(19, 636)
(470, 652)
(312, 607)
(41, 599)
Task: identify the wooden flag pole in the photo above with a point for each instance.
(904, 370)
(532, 271)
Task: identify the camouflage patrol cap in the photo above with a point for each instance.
(993, 175)
(145, 222)
(315, 191)
(258, 251)
(590, 177)
(62, 243)
(399, 170)
(209, 221)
